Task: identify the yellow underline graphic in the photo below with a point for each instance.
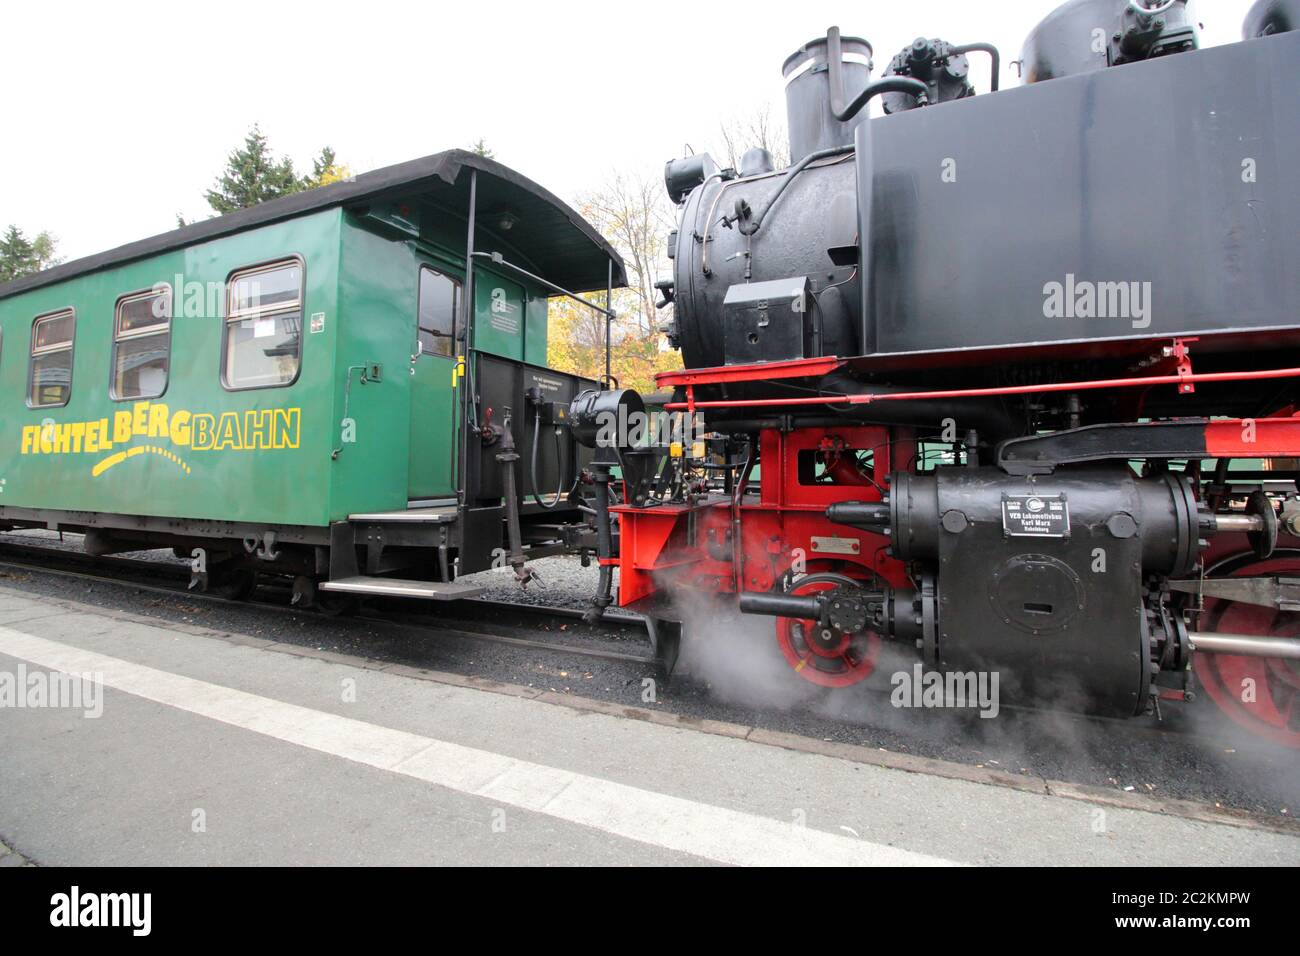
(121, 456)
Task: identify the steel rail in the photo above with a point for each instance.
(450, 628)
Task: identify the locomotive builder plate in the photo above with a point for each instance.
(1035, 516)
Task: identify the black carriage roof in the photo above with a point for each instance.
(562, 246)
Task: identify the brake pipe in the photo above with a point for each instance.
(992, 392)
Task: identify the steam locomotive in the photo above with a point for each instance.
(1010, 377)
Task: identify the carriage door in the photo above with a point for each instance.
(433, 405)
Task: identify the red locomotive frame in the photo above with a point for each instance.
(689, 546)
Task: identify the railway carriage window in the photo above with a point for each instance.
(263, 326)
(142, 340)
(439, 305)
(50, 374)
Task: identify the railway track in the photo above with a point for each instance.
(464, 619)
(467, 619)
(551, 648)
(460, 619)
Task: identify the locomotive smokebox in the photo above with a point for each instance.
(812, 122)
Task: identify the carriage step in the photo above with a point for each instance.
(444, 515)
(402, 587)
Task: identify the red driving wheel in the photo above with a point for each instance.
(1261, 694)
(835, 661)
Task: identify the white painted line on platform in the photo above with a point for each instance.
(675, 823)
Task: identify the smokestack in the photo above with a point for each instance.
(808, 94)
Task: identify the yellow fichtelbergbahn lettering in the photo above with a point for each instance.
(262, 430)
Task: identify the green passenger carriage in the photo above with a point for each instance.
(305, 388)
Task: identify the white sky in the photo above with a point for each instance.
(120, 115)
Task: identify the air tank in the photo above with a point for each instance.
(1085, 35)
(1072, 39)
(1268, 17)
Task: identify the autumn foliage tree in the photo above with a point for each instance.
(326, 169)
(759, 128)
(634, 215)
